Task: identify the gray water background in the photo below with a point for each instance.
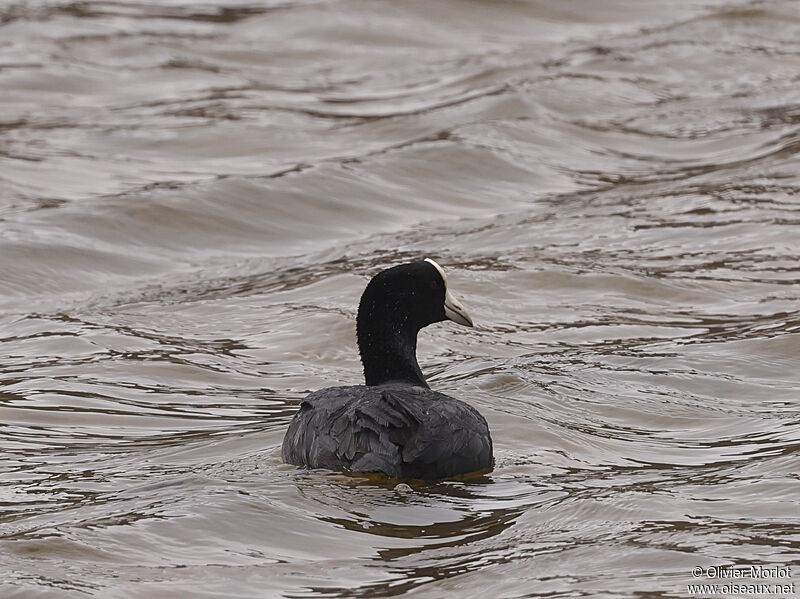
(193, 196)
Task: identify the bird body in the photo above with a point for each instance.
(400, 430)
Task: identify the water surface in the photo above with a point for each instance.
(193, 197)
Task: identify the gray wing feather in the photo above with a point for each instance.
(403, 432)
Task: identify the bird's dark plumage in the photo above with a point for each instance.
(395, 424)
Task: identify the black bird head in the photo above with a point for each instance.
(396, 304)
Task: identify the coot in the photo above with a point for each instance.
(395, 424)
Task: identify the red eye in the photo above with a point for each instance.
(434, 285)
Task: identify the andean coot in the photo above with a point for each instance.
(395, 424)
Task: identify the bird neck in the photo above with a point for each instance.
(389, 353)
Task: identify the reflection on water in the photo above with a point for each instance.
(193, 197)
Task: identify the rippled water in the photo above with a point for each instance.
(194, 195)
